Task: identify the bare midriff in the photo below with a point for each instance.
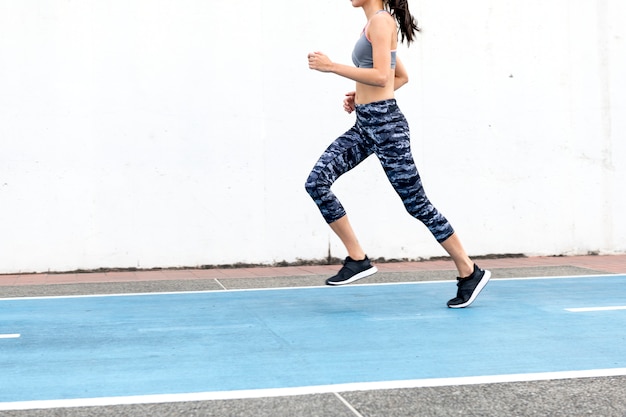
(369, 94)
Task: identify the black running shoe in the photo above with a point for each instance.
(352, 270)
(469, 288)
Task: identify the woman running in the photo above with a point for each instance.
(381, 129)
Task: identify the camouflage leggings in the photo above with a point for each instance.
(382, 129)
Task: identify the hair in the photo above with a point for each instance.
(407, 23)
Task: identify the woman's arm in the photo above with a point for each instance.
(348, 102)
(381, 29)
(402, 76)
(371, 76)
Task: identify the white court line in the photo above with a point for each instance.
(319, 389)
(348, 405)
(325, 287)
(588, 309)
(10, 336)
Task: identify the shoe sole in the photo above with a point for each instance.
(479, 288)
(360, 275)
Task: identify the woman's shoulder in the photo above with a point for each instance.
(382, 19)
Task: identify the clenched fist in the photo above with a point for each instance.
(320, 62)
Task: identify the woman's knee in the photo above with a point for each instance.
(311, 185)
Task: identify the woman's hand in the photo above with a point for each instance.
(348, 102)
(320, 62)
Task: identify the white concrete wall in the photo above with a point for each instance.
(145, 133)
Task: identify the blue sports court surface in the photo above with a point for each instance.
(120, 349)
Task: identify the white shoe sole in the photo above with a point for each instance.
(479, 288)
(360, 275)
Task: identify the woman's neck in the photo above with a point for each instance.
(371, 7)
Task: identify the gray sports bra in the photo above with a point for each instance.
(362, 52)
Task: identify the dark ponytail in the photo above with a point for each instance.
(407, 23)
